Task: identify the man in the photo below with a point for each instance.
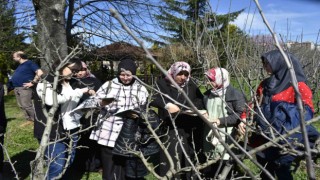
(25, 76)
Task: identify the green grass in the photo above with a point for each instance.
(21, 146)
(20, 143)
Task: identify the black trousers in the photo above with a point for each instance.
(113, 166)
(177, 154)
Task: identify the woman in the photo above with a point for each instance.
(87, 159)
(189, 127)
(84, 78)
(224, 105)
(281, 111)
(121, 94)
(64, 123)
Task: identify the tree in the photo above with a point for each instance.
(10, 39)
(186, 20)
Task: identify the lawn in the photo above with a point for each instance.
(21, 147)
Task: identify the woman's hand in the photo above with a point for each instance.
(172, 108)
(133, 115)
(105, 102)
(215, 121)
(88, 91)
(84, 90)
(242, 128)
(91, 92)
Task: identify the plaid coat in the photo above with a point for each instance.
(109, 126)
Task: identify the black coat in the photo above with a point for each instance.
(91, 82)
(193, 92)
(236, 105)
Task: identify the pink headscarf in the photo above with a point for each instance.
(221, 77)
(177, 67)
(88, 73)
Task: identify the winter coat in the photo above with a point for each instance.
(127, 97)
(182, 121)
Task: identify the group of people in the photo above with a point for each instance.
(119, 137)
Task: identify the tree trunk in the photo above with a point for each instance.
(51, 30)
(53, 47)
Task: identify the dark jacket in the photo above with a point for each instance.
(91, 82)
(57, 131)
(3, 119)
(159, 101)
(235, 106)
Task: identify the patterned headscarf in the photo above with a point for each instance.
(177, 67)
(88, 73)
(221, 77)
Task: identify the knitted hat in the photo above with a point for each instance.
(128, 65)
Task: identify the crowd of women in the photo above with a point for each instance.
(115, 117)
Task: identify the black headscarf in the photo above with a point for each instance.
(280, 79)
(127, 65)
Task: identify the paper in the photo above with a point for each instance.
(87, 104)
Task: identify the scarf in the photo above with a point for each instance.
(280, 79)
(221, 77)
(177, 67)
(88, 73)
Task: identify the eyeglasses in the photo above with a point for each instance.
(74, 71)
(83, 69)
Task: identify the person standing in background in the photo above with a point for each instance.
(24, 78)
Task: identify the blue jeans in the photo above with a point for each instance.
(57, 155)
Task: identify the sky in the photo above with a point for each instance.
(295, 20)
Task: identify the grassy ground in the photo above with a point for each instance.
(21, 147)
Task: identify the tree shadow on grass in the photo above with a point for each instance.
(21, 163)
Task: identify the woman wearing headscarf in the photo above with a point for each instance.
(224, 105)
(65, 123)
(84, 78)
(87, 159)
(128, 94)
(280, 109)
(188, 127)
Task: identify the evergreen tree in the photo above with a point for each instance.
(186, 19)
(9, 39)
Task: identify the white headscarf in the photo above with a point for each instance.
(221, 77)
(177, 67)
